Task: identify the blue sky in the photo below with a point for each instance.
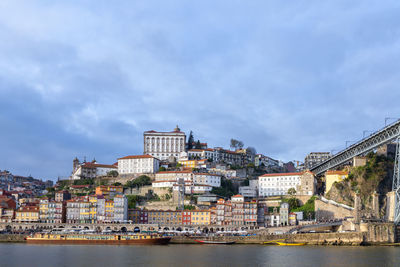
(86, 78)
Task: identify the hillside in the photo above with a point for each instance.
(376, 175)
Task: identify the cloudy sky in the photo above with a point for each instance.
(86, 78)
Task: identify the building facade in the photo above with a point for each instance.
(138, 164)
(163, 145)
(315, 158)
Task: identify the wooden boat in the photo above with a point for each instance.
(290, 244)
(215, 242)
(114, 239)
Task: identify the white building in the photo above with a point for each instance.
(138, 164)
(163, 145)
(277, 184)
(120, 208)
(194, 182)
(249, 191)
(90, 170)
(207, 153)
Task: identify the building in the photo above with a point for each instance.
(61, 196)
(195, 163)
(90, 170)
(51, 211)
(284, 214)
(164, 217)
(200, 217)
(277, 184)
(120, 208)
(315, 158)
(250, 191)
(250, 213)
(194, 182)
(109, 191)
(237, 210)
(27, 214)
(272, 219)
(332, 177)
(292, 218)
(308, 184)
(197, 154)
(186, 217)
(138, 164)
(261, 160)
(163, 145)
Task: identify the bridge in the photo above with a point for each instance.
(387, 134)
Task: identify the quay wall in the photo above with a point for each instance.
(12, 238)
(376, 234)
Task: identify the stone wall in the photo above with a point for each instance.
(328, 210)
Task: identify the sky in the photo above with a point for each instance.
(87, 78)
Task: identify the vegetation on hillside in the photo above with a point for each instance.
(376, 175)
(226, 190)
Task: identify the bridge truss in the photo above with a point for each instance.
(381, 137)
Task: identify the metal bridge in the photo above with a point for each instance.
(388, 134)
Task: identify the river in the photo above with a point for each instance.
(17, 254)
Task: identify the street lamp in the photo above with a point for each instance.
(386, 119)
(366, 131)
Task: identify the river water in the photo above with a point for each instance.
(194, 255)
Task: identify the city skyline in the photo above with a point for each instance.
(288, 79)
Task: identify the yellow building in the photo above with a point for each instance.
(43, 210)
(193, 163)
(109, 210)
(109, 191)
(27, 214)
(200, 217)
(165, 217)
(334, 176)
(93, 209)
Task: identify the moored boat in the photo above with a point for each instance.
(215, 242)
(290, 244)
(114, 239)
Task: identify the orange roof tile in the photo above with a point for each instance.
(137, 157)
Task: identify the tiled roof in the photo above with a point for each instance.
(188, 171)
(137, 157)
(282, 174)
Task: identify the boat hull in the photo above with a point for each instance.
(153, 241)
(290, 244)
(215, 242)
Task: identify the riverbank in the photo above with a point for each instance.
(12, 238)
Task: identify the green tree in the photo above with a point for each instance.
(142, 180)
(190, 140)
(162, 169)
(112, 173)
(132, 201)
(225, 190)
(291, 192)
(198, 145)
(117, 184)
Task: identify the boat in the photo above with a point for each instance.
(112, 239)
(215, 242)
(290, 244)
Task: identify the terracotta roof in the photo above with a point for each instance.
(137, 157)
(282, 174)
(174, 172)
(80, 186)
(204, 173)
(237, 196)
